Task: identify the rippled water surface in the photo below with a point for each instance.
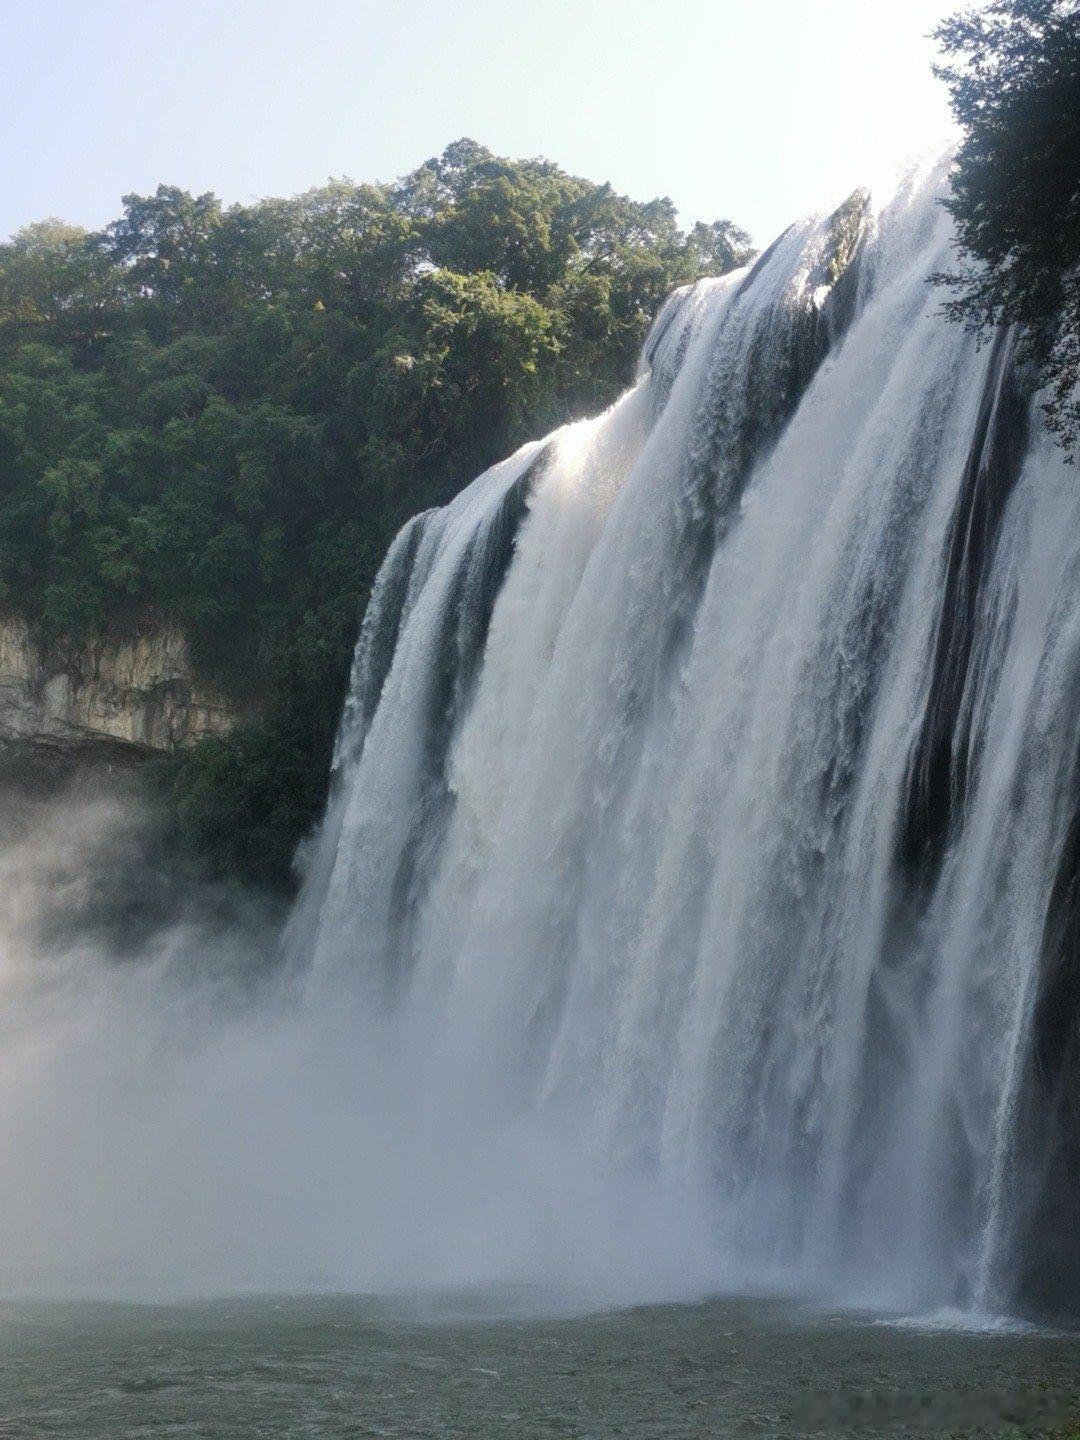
(472, 1367)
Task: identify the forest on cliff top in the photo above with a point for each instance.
(220, 416)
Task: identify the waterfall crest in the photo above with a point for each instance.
(709, 776)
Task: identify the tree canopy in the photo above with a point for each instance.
(220, 415)
(1013, 72)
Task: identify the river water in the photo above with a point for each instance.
(479, 1364)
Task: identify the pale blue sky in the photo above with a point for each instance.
(755, 109)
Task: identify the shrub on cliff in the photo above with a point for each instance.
(1013, 72)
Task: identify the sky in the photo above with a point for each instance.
(757, 110)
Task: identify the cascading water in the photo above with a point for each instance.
(710, 767)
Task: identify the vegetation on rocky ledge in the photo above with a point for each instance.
(1013, 72)
(219, 416)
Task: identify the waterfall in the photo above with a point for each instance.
(707, 785)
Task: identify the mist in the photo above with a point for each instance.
(183, 1114)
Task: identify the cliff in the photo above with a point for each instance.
(131, 693)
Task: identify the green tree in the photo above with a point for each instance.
(220, 416)
(56, 284)
(1013, 72)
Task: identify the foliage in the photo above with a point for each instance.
(221, 415)
(1013, 72)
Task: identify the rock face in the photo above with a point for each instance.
(131, 693)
